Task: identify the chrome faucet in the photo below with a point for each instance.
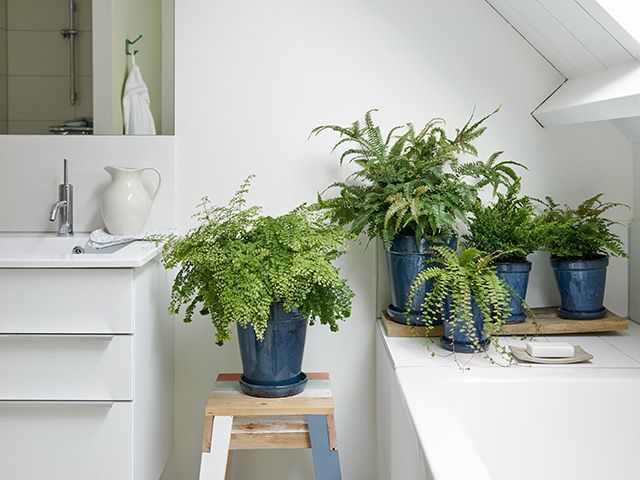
(63, 207)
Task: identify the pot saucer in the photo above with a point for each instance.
(568, 314)
(448, 344)
(273, 391)
(401, 317)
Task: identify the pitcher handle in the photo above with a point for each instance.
(155, 193)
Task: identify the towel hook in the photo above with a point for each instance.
(128, 43)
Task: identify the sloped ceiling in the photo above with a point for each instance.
(584, 42)
(577, 37)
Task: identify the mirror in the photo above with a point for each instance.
(64, 66)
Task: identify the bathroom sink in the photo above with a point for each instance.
(22, 250)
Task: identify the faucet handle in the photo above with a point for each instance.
(65, 173)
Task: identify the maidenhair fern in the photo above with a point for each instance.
(237, 263)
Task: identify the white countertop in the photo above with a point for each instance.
(609, 350)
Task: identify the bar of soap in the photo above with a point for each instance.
(550, 349)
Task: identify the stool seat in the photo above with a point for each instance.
(227, 399)
(235, 421)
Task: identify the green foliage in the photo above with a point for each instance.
(237, 263)
(506, 228)
(410, 181)
(580, 233)
(460, 279)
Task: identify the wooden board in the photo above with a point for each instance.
(545, 321)
(275, 423)
(227, 399)
(250, 433)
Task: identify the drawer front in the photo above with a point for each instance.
(66, 440)
(66, 301)
(66, 367)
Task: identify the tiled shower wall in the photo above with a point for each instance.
(38, 64)
(3, 66)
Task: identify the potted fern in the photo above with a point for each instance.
(580, 242)
(270, 276)
(507, 227)
(410, 190)
(468, 294)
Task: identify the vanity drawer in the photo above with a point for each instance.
(66, 367)
(74, 300)
(66, 440)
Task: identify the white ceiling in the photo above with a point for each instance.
(577, 37)
(580, 38)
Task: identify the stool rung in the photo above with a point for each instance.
(254, 432)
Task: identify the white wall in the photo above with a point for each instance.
(31, 169)
(634, 241)
(253, 78)
(264, 73)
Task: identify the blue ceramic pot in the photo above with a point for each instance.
(581, 284)
(516, 276)
(405, 260)
(459, 340)
(272, 368)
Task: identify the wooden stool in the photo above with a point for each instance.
(235, 421)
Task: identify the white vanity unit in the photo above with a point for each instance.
(86, 360)
(437, 421)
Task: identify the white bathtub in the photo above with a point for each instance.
(526, 424)
(558, 422)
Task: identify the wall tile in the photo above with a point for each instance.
(3, 51)
(3, 13)
(37, 53)
(39, 98)
(3, 97)
(84, 54)
(84, 105)
(3, 126)
(51, 14)
(84, 15)
(29, 127)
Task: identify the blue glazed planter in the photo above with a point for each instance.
(405, 260)
(581, 284)
(272, 368)
(459, 341)
(516, 276)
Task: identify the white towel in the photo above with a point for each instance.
(102, 239)
(138, 119)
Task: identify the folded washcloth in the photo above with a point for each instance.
(102, 239)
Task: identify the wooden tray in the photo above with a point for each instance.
(545, 321)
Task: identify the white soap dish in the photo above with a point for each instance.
(521, 354)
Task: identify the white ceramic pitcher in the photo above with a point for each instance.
(126, 203)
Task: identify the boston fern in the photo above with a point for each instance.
(507, 227)
(410, 181)
(237, 263)
(459, 279)
(580, 233)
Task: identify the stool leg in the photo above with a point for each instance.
(325, 461)
(213, 465)
(229, 461)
